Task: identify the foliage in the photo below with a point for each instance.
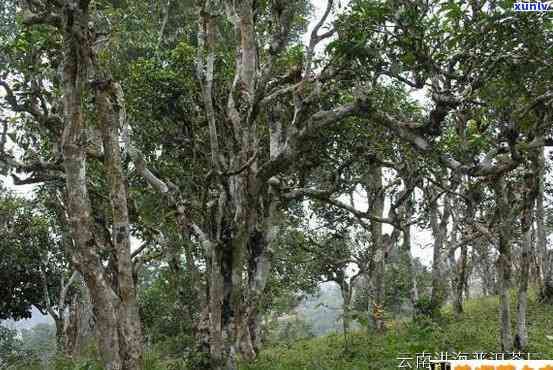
(398, 287)
(10, 346)
(40, 341)
(32, 348)
(289, 330)
(27, 248)
(425, 309)
(167, 318)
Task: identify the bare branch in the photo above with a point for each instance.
(406, 131)
(36, 179)
(284, 90)
(316, 39)
(139, 250)
(243, 168)
(65, 288)
(140, 164)
(163, 23)
(326, 197)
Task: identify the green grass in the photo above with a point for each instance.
(476, 331)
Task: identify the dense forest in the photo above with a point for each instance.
(192, 184)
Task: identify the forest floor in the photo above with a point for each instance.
(476, 331)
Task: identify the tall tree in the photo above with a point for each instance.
(112, 291)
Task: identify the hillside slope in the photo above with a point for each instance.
(476, 331)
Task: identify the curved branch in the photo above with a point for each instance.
(315, 38)
(326, 197)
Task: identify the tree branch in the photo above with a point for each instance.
(47, 301)
(325, 196)
(295, 138)
(316, 38)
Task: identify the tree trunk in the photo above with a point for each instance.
(467, 274)
(376, 195)
(414, 289)
(456, 270)
(544, 257)
(504, 261)
(60, 336)
(407, 211)
(119, 339)
(521, 338)
(458, 279)
(531, 191)
(79, 324)
(111, 117)
(78, 208)
(216, 297)
(438, 223)
(486, 268)
(463, 279)
(261, 250)
(346, 290)
(229, 248)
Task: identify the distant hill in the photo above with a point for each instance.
(322, 312)
(37, 318)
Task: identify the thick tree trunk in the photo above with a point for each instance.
(229, 248)
(111, 118)
(235, 303)
(376, 195)
(414, 289)
(521, 338)
(116, 316)
(438, 222)
(103, 298)
(458, 280)
(216, 298)
(456, 268)
(377, 312)
(406, 213)
(79, 325)
(544, 256)
(235, 218)
(60, 336)
(504, 261)
(261, 249)
(104, 301)
(262, 234)
(531, 190)
(486, 271)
